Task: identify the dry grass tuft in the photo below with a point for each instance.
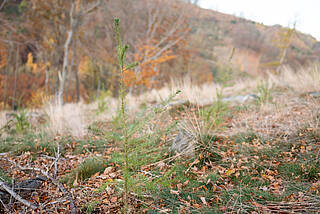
(73, 119)
(285, 118)
(302, 81)
(69, 119)
(2, 118)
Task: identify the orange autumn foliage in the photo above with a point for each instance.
(84, 65)
(30, 64)
(3, 56)
(38, 98)
(36, 67)
(149, 58)
(27, 85)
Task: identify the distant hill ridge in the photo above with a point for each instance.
(252, 47)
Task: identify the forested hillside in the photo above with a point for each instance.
(170, 39)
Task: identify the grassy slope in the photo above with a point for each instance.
(259, 156)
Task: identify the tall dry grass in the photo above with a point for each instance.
(301, 81)
(69, 119)
(2, 118)
(74, 118)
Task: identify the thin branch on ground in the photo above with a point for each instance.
(56, 162)
(5, 207)
(2, 5)
(16, 196)
(54, 181)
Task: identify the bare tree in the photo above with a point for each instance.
(163, 25)
(75, 18)
(171, 36)
(14, 104)
(7, 70)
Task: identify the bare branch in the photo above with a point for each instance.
(166, 47)
(2, 5)
(5, 207)
(55, 182)
(56, 162)
(152, 24)
(16, 196)
(92, 8)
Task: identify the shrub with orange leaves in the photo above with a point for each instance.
(38, 98)
(30, 64)
(34, 67)
(150, 57)
(84, 65)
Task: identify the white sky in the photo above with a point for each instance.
(306, 13)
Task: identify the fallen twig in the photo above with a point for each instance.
(4, 154)
(169, 159)
(2, 4)
(4, 206)
(16, 196)
(149, 174)
(55, 182)
(56, 162)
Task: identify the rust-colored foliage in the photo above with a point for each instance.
(27, 85)
(148, 68)
(157, 38)
(38, 98)
(3, 56)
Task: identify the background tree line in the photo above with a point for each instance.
(66, 49)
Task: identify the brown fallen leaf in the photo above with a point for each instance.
(203, 199)
(75, 182)
(174, 192)
(108, 170)
(113, 175)
(106, 201)
(114, 199)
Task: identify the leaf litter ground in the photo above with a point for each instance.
(256, 170)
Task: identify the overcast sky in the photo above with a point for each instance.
(306, 13)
